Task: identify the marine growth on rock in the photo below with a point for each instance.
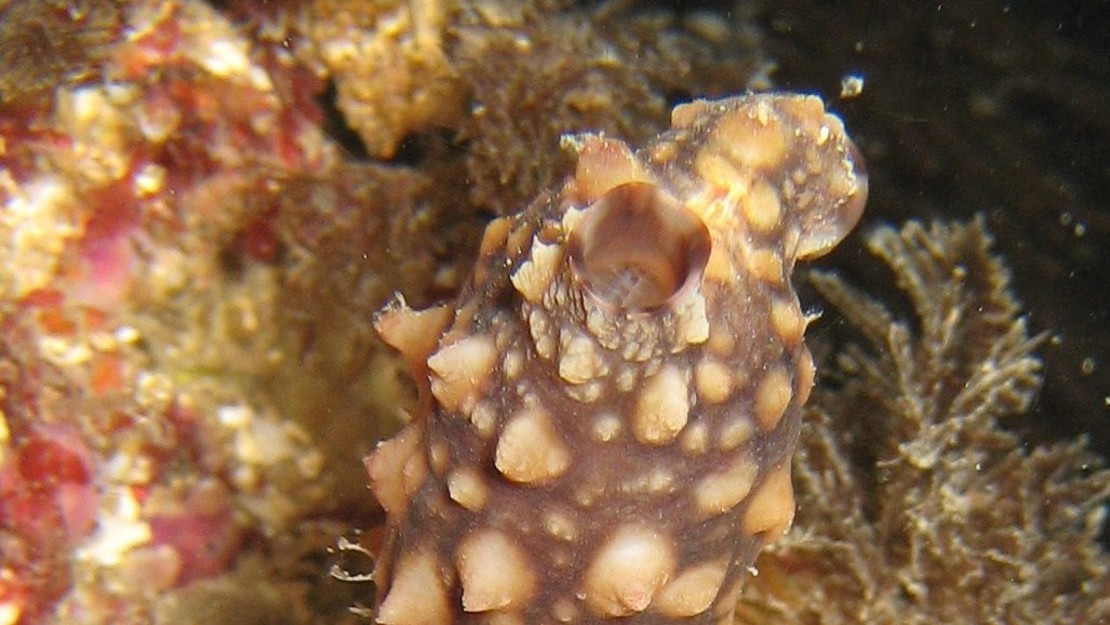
(608, 410)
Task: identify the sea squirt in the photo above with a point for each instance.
(606, 414)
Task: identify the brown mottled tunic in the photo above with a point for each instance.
(608, 411)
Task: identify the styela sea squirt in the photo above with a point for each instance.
(607, 412)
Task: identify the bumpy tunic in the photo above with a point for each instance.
(608, 410)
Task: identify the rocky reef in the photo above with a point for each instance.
(203, 205)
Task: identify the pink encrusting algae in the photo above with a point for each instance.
(114, 463)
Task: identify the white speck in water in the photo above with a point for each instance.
(1087, 367)
(851, 85)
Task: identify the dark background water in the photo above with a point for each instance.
(999, 109)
